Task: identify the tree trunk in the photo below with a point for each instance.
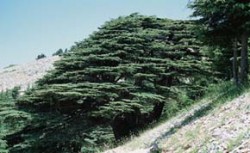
(235, 63)
(157, 111)
(244, 58)
(126, 124)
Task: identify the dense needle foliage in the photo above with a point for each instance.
(113, 83)
(11, 119)
(226, 23)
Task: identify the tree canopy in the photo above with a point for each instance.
(118, 80)
(225, 22)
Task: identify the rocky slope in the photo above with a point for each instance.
(25, 75)
(224, 129)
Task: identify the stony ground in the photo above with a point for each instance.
(225, 129)
(25, 75)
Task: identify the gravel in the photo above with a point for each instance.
(225, 129)
(25, 75)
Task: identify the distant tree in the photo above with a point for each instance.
(59, 52)
(40, 56)
(66, 50)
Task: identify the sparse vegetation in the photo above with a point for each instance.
(235, 142)
(11, 65)
(199, 136)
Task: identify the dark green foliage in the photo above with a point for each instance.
(59, 52)
(11, 119)
(40, 56)
(222, 61)
(15, 92)
(113, 83)
(225, 23)
(222, 19)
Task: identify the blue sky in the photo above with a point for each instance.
(31, 27)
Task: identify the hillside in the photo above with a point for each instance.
(112, 84)
(25, 75)
(135, 73)
(223, 129)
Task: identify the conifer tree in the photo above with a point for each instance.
(119, 78)
(226, 21)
